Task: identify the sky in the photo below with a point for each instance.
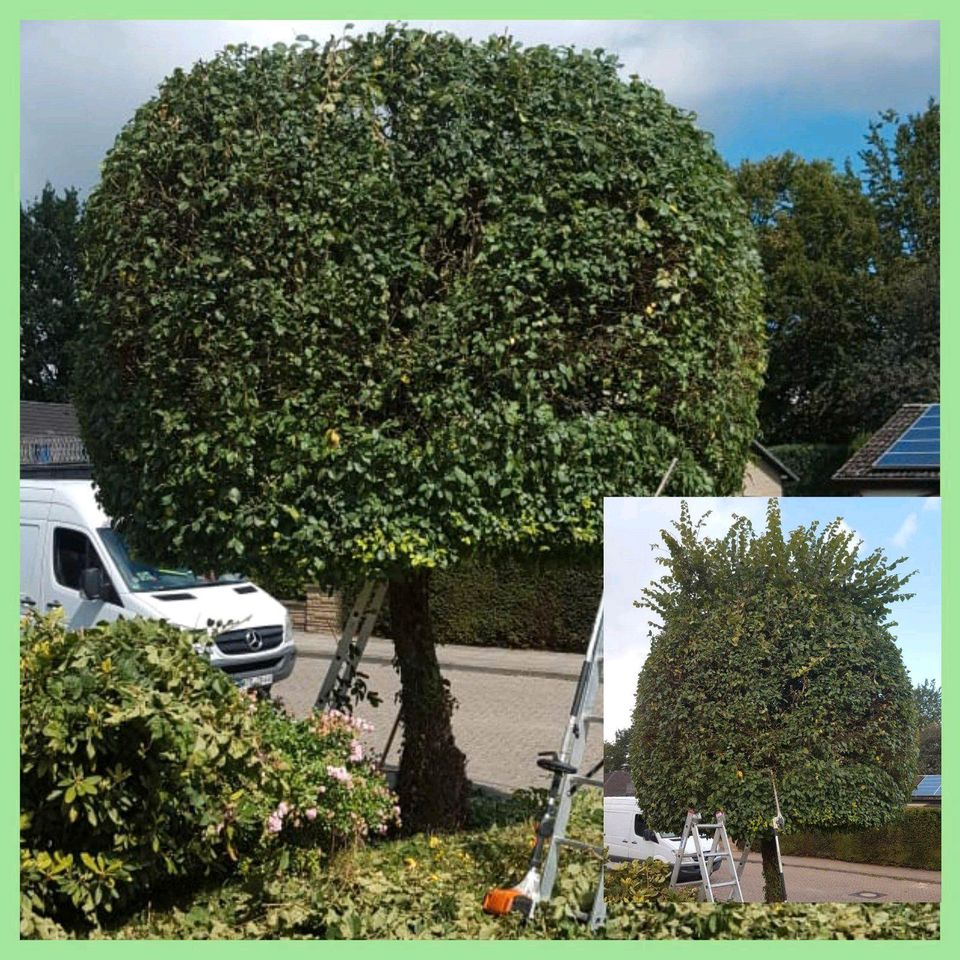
(902, 526)
(760, 87)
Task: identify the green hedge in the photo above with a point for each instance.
(508, 603)
(912, 840)
(815, 464)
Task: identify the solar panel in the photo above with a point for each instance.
(917, 446)
(929, 786)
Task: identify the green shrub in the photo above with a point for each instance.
(911, 840)
(142, 765)
(814, 464)
(510, 603)
(775, 921)
(431, 887)
(642, 881)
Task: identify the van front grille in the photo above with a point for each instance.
(250, 640)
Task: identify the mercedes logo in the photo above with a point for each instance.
(254, 640)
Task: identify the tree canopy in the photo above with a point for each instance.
(49, 314)
(852, 278)
(370, 306)
(773, 653)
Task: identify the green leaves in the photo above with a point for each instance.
(444, 254)
(160, 768)
(773, 654)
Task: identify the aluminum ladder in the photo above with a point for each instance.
(564, 765)
(336, 691)
(720, 853)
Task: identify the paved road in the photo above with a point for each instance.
(812, 880)
(512, 703)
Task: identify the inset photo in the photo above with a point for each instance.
(772, 699)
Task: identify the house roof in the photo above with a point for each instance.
(775, 462)
(48, 419)
(50, 441)
(860, 467)
(618, 784)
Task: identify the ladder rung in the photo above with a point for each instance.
(726, 883)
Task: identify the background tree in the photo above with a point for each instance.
(773, 653)
(851, 290)
(361, 310)
(927, 697)
(616, 753)
(49, 315)
(818, 239)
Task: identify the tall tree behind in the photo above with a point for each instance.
(49, 314)
(819, 241)
(852, 281)
(902, 179)
(616, 753)
(927, 697)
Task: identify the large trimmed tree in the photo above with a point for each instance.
(363, 309)
(773, 653)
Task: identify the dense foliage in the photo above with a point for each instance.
(510, 603)
(365, 308)
(143, 766)
(369, 306)
(642, 881)
(912, 839)
(49, 313)
(431, 886)
(773, 654)
(927, 696)
(852, 285)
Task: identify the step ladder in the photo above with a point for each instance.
(337, 689)
(706, 861)
(564, 765)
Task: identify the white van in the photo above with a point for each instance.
(71, 558)
(628, 836)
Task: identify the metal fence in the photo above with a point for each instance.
(40, 451)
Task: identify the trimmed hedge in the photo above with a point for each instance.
(508, 603)
(815, 464)
(912, 840)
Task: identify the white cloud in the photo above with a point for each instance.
(857, 543)
(931, 504)
(906, 531)
(82, 80)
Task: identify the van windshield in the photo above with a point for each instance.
(143, 577)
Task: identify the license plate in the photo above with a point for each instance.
(261, 680)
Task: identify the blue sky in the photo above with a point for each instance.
(760, 87)
(903, 526)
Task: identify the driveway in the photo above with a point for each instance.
(511, 704)
(813, 880)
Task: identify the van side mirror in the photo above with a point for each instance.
(91, 583)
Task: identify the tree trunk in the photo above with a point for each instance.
(432, 782)
(773, 891)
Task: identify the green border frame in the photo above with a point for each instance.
(500, 11)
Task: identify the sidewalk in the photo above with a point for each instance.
(546, 664)
(510, 703)
(816, 880)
